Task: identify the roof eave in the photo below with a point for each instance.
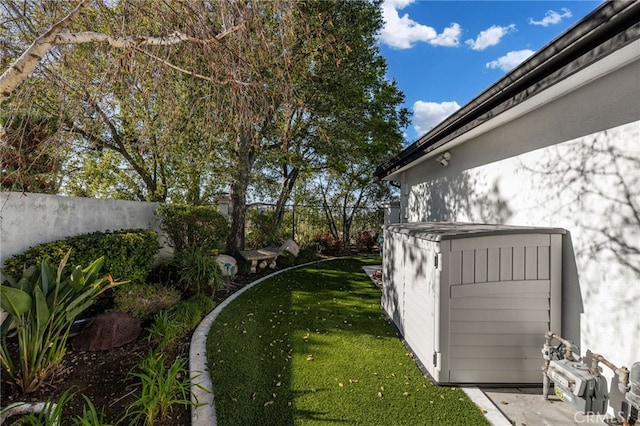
(600, 26)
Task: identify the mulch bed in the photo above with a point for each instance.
(103, 375)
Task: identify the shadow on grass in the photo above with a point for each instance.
(310, 346)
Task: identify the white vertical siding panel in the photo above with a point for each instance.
(493, 264)
(543, 263)
(555, 268)
(481, 266)
(531, 263)
(468, 269)
(455, 267)
(442, 283)
(518, 263)
(506, 264)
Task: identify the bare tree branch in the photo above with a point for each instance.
(26, 63)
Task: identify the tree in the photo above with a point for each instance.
(342, 99)
(284, 86)
(30, 157)
(121, 100)
(20, 69)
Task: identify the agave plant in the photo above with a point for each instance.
(42, 305)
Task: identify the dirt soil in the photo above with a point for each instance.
(103, 376)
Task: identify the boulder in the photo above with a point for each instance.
(228, 265)
(106, 331)
(291, 247)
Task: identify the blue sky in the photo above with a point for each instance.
(444, 53)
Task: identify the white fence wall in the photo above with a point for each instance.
(28, 219)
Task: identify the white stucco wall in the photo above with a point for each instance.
(30, 219)
(591, 187)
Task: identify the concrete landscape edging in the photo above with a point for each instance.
(203, 410)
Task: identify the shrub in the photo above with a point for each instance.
(164, 332)
(129, 254)
(204, 303)
(263, 232)
(328, 244)
(160, 389)
(186, 315)
(143, 300)
(43, 304)
(198, 270)
(286, 259)
(178, 320)
(193, 226)
(306, 255)
(365, 241)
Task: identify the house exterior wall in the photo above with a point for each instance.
(30, 219)
(589, 186)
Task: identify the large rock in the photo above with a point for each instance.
(291, 247)
(107, 331)
(228, 265)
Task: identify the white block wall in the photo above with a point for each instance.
(29, 219)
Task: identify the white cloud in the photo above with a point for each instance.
(426, 115)
(510, 60)
(402, 32)
(450, 37)
(490, 37)
(552, 17)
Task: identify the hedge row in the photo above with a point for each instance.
(129, 253)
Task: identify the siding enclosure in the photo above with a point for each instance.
(554, 143)
(473, 301)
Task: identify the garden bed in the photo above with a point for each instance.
(103, 376)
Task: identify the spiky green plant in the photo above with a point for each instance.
(160, 388)
(42, 305)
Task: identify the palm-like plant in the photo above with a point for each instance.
(42, 305)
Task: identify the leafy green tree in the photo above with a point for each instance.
(30, 154)
(345, 102)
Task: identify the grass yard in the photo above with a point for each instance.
(311, 346)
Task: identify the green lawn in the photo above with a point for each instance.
(311, 346)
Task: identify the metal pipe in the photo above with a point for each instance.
(622, 372)
(545, 385)
(21, 408)
(568, 354)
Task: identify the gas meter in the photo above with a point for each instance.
(581, 385)
(575, 385)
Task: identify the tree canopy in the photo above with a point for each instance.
(178, 100)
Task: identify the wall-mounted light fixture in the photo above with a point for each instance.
(444, 159)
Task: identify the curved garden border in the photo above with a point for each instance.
(203, 409)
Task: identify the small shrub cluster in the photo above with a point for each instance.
(198, 271)
(143, 300)
(306, 255)
(262, 233)
(175, 322)
(161, 387)
(286, 259)
(328, 243)
(129, 254)
(365, 241)
(193, 226)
